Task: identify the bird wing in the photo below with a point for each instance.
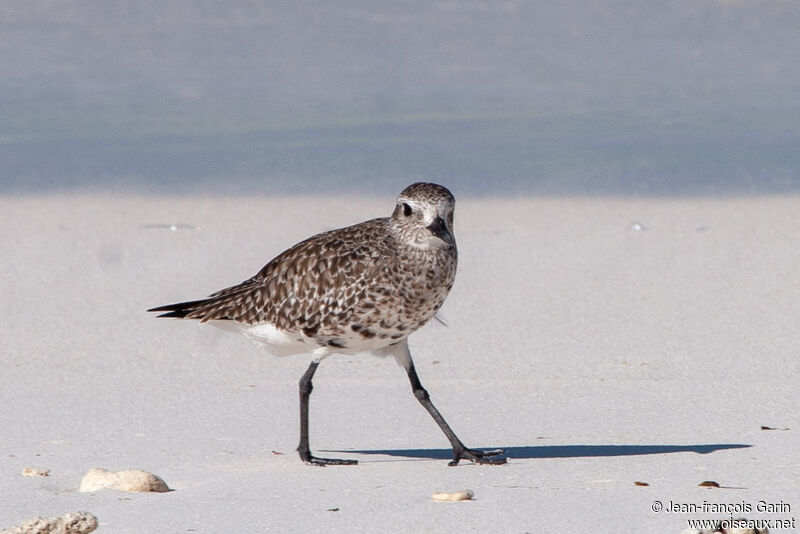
(305, 287)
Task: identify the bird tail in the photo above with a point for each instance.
(180, 310)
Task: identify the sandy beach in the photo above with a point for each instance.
(601, 342)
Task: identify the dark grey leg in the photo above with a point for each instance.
(305, 452)
(459, 450)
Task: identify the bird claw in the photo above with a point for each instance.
(322, 462)
(479, 457)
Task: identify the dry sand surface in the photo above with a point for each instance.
(602, 342)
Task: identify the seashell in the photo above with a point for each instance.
(463, 495)
(126, 480)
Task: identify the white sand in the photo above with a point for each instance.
(598, 354)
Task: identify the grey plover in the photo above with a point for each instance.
(363, 288)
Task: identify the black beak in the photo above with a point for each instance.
(439, 229)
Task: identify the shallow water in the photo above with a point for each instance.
(607, 98)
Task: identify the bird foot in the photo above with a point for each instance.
(322, 462)
(478, 457)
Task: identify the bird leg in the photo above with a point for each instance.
(305, 452)
(459, 450)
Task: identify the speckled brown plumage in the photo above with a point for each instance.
(359, 287)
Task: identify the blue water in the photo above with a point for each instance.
(504, 98)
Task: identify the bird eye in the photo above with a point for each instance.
(406, 209)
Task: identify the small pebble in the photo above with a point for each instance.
(35, 472)
(463, 495)
(127, 480)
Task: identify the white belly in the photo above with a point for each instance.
(283, 343)
(277, 342)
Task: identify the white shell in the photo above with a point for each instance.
(127, 480)
(463, 495)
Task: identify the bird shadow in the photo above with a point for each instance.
(561, 451)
